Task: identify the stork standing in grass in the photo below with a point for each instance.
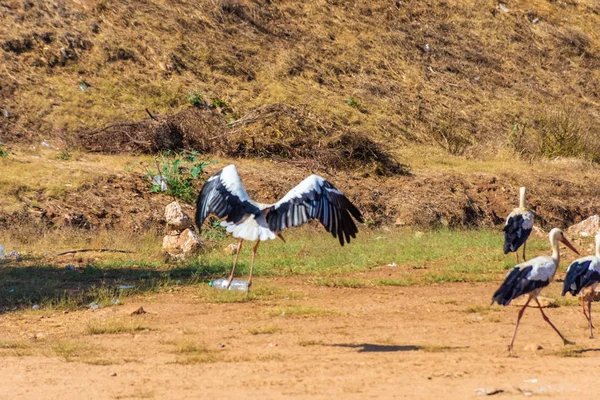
(314, 198)
(584, 273)
(518, 227)
(529, 278)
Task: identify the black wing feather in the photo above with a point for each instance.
(579, 276)
(515, 285)
(215, 198)
(325, 203)
(514, 234)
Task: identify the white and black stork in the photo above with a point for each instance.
(224, 195)
(529, 278)
(582, 274)
(518, 227)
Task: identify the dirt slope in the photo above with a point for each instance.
(452, 72)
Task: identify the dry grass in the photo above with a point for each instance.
(484, 68)
(114, 327)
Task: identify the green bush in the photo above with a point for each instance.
(181, 172)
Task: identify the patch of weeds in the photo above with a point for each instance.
(114, 327)
(393, 282)
(302, 311)
(342, 282)
(70, 350)
(352, 102)
(99, 361)
(191, 348)
(194, 354)
(218, 103)
(13, 345)
(195, 99)
(64, 155)
(569, 351)
(494, 318)
(305, 343)
(180, 172)
(3, 151)
(477, 309)
(452, 302)
(264, 330)
(216, 231)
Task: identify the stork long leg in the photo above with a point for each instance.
(252, 263)
(590, 313)
(510, 346)
(517, 255)
(524, 245)
(583, 307)
(237, 254)
(565, 341)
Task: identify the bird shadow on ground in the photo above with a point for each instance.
(382, 348)
(24, 284)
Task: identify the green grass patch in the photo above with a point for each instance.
(394, 282)
(342, 282)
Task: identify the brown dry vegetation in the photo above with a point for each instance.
(527, 79)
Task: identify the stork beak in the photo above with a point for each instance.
(569, 245)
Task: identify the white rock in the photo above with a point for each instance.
(177, 220)
(182, 245)
(587, 227)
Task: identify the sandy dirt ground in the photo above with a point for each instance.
(439, 341)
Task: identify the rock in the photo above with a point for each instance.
(231, 249)
(533, 347)
(177, 220)
(113, 374)
(182, 245)
(587, 227)
(139, 311)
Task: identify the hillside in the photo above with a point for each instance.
(427, 113)
(471, 76)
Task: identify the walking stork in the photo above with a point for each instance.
(584, 273)
(529, 278)
(518, 227)
(224, 195)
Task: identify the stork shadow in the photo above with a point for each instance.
(37, 282)
(382, 348)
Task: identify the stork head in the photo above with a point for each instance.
(556, 235)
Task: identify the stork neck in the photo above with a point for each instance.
(597, 246)
(522, 198)
(555, 253)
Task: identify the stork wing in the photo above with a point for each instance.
(315, 198)
(224, 195)
(524, 278)
(517, 230)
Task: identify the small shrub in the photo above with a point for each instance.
(64, 155)
(560, 133)
(449, 134)
(180, 172)
(218, 103)
(352, 102)
(3, 151)
(216, 231)
(195, 99)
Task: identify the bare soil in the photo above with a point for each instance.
(385, 342)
